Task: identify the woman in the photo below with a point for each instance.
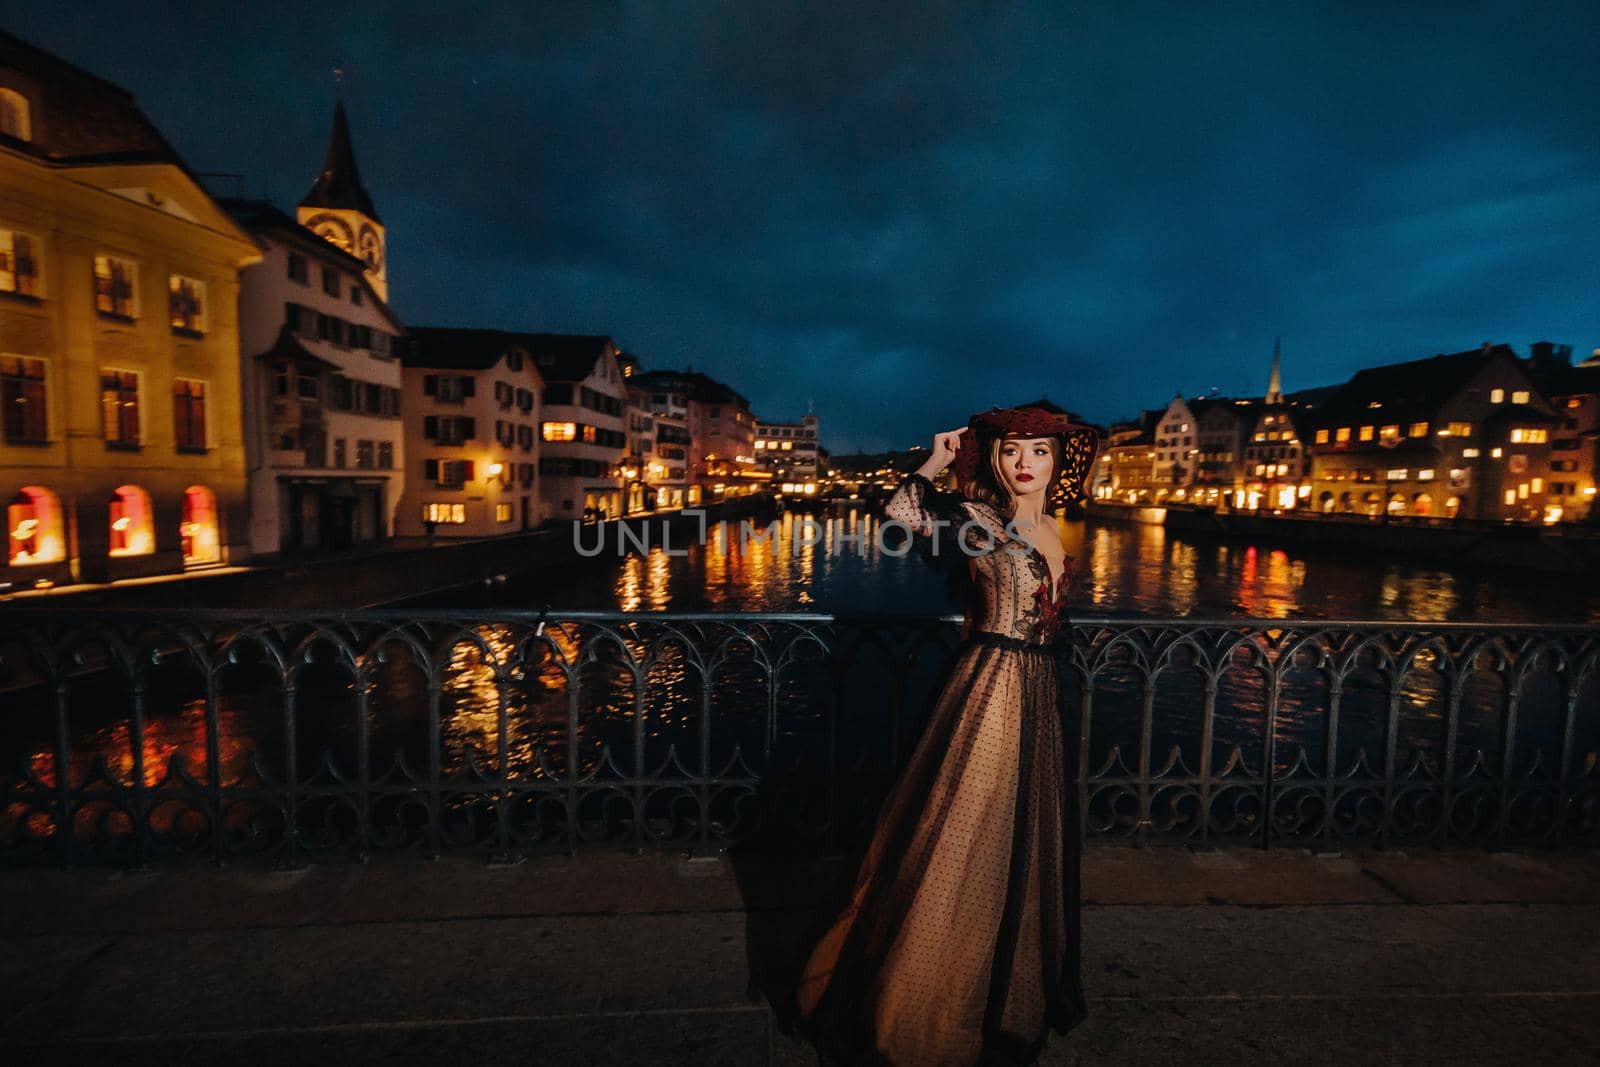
(959, 944)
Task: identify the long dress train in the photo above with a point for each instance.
(960, 943)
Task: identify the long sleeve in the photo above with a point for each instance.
(934, 518)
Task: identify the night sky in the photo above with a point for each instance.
(906, 217)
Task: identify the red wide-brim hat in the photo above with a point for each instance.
(1079, 444)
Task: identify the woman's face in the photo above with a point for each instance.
(1026, 464)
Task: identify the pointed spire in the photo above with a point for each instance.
(339, 184)
(1275, 380)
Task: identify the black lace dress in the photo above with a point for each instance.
(959, 944)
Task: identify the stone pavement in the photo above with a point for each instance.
(1190, 957)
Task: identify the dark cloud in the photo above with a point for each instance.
(906, 212)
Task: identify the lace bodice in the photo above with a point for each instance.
(1009, 592)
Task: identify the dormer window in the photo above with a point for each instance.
(15, 120)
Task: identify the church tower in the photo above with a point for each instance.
(339, 209)
(1275, 379)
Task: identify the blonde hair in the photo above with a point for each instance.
(989, 485)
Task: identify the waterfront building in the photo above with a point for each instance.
(321, 384)
(668, 474)
(1275, 471)
(1575, 441)
(582, 429)
(1464, 435)
(721, 428)
(119, 339)
(1222, 428)
(1174, 466)
(471, 401)
(788, 453)
(1276, 468)
(640, 468)
(674, 445)
(1125, 470)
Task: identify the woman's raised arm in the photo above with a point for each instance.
(920, 506)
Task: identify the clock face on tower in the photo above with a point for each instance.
(369, 246)
(332, 229)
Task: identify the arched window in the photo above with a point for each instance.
(33, 521)
(199, 527)
(1397, 503)
(14, 119)
(1422, 504)
(1452, 507)
(132, 531)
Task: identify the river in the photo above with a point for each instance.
(1119, 569)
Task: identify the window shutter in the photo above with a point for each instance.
(469, 385)
(469, 427)
(430, 427)
(430, 385)
(430, 469)
(467, 473)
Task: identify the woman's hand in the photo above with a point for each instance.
(945, 447)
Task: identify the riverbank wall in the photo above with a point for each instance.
(398, 572)
(1551, 549)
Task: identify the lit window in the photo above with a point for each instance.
(502, 513)
(1366, 433)
(34, 522)
(132, 533)
(187, 304)
(1529, 436)
(1397, 475)
(559, 431)
(1460, 429)
(119, 407)
(1425, 474)
(1389, 432)
(1497, 396)
(444, 513)
(15, 120)
(198, 530)
(22, 399)
(115, 287)
(1495, 452)
(1511, 496)
(1343, 434)
(1470, 453)
(1418, 429)
(1520, 396)
(189, 414)
(1322, 437)
(19, 263)
(1538, 485)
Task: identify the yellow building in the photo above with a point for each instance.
(119, 384)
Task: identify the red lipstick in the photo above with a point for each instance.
(1024, 477)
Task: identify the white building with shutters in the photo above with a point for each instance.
(472, 405)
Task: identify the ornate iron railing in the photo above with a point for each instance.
(288, 737)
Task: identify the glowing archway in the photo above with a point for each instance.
(132, 530)
(33, 524)
(198, 530)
